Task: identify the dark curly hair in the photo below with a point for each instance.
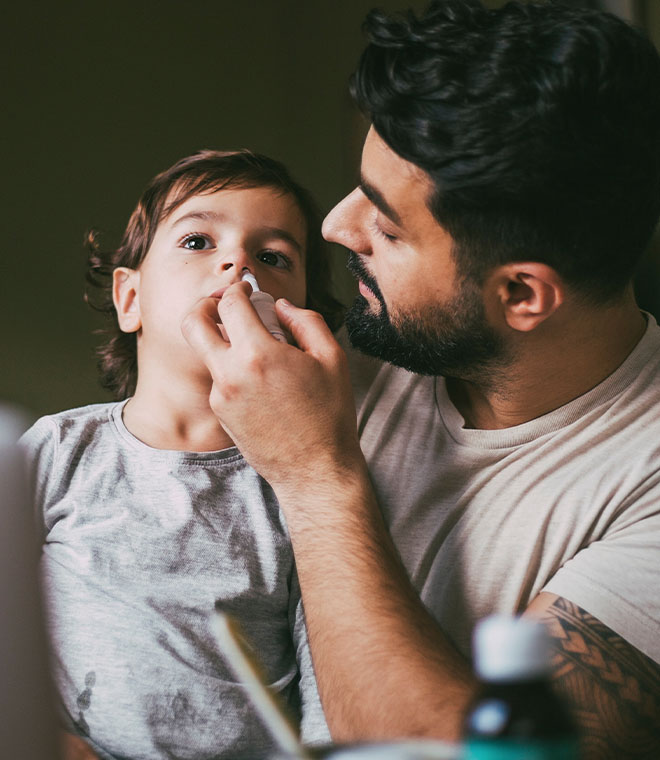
(538, 124)
(204, 172)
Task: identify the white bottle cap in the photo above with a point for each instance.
(264, 304)
(510, 649)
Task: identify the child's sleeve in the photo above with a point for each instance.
(313, 727)
(39, 447)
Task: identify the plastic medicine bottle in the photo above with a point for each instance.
(516, 716)
(264, 304)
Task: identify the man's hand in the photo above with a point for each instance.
(290, 410)
(377, 653)
(74, 748)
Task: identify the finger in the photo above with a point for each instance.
(239, 317)
(308, 328)
(200, 329)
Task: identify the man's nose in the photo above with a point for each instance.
(345, 223)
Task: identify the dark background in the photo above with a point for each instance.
(100, 96)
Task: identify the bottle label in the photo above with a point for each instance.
(512, 749)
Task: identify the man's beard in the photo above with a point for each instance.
(453, 339)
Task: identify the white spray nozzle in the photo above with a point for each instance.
(247, 275)
(264, 305)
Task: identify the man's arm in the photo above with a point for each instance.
(612, 689)
(74, 748)
(378, 655)
(384, 667)
(386, 670)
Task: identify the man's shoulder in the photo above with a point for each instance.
(634, 388)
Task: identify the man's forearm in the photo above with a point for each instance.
(384, 668)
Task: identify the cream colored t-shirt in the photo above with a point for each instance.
(486, 519)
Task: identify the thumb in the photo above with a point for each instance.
(307, 327)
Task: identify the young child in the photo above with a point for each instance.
(150, 515)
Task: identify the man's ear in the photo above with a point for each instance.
(126, 298)
(527, 293)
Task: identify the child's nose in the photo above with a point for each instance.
(234, 261)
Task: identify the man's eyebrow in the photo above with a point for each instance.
(376, 197)
(214, 216)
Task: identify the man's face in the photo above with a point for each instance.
(414, 309)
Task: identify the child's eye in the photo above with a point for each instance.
(195, 242)
(275, 259)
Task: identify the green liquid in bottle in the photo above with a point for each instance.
(516, 716)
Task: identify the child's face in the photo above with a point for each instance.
(199, 251)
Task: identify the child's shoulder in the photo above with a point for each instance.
(89, 413)
(78, 422)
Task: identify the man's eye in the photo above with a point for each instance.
(275, 259)
(196, 242)
(387, 236)
(380, 232)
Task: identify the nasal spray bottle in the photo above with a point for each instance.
(264, 304)
(517, 715)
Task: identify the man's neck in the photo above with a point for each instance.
(554, 364)
(174, 416)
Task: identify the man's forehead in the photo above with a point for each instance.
(376, 150)
(393, 184)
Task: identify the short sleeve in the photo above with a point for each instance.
(616, 579)
(39, 447)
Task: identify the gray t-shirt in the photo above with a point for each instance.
(139, 544)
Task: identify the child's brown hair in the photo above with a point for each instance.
(204, 172)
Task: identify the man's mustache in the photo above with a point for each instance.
(357, 269)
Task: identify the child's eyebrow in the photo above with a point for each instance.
(214, 216)
(206, 216)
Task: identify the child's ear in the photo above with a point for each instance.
(126, 297)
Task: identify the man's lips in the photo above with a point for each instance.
(365, 290)
(358, 270)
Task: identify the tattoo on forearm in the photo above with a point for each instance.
(612, 688)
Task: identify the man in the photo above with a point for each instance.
(509, 184)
